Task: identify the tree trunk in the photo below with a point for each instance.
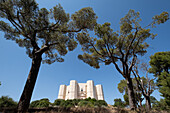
(132, 101)
(148, 103)
(25, 98)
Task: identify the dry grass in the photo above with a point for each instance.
(109, 109)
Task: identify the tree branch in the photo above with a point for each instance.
(42, 50)
(20, 21)
(132, 63)
(96, 50)
(68, 31)
(117, 67)
(128, 50)
(139, 84)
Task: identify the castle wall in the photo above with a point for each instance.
(99, 90)
(67, 92)
(91, 91)
(73, 89)
(81, 91)
(62, 92)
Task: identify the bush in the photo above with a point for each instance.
(40, 103)
(100, 103)
(119, 103)
(85, 103)
(92, 103)
(57, 102)
(88, 102)
(6, 101)
(66, 103)
(161, 105)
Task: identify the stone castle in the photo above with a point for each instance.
(81, 91)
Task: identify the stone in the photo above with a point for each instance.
(81, 91)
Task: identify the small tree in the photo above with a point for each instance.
(41, 31)
(121, 47)
(144, 84)
(119, 103)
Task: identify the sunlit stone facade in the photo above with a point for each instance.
(81, 91)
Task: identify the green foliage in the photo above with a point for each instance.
(40, 103)
(110, 47)
(92, 100)
(100, 103)
(57, 102)
(85, 103)
(122, 87)
(6, 101)
(119, 103)
(92, 103)
(126, 99)
(67, 103)
(76, 101)
(88, 102)
(164, 86)
(160, 65)
(45, 31)
(161, 105)
(158, 19)
(159, 62)
(84, 18)
(153, 100)
(120, 47)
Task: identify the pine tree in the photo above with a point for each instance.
(121, 47)
(47, 35)
(160, 67)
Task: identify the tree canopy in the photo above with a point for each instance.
(109, 47)
(160, 67)
(41, 30)
(160, 62)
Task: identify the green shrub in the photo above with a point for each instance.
(76, 101)
(119, 103)
(6, 101)
(67, 103)
(85, 103)
(92, 100)
(100, 103)
(88, 102)
(57, 102)
(161, 105)
(40, 103)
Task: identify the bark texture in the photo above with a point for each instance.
(30, 83)
(132, 101)
(148, 103)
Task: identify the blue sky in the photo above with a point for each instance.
(15, 65)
